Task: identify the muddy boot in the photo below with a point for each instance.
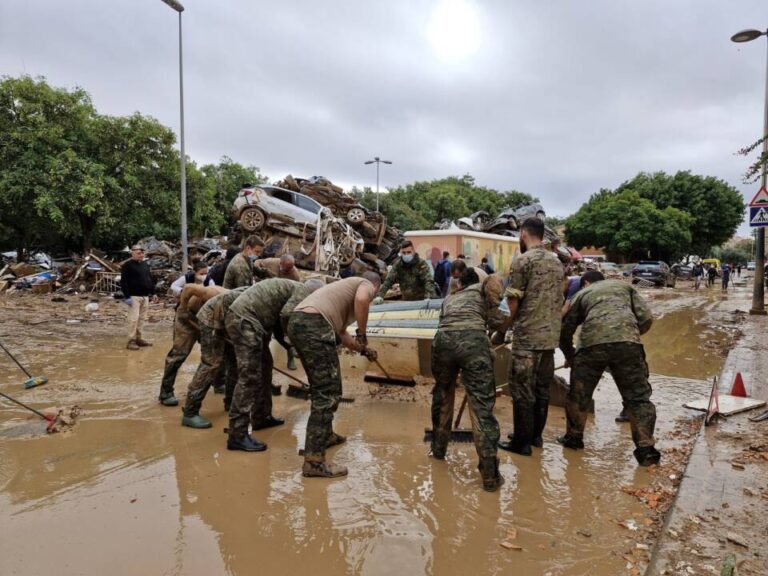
(143, 343)
(489, 470)
(540, 411)
(315, 466)
(132, 345)
(269, 422)
(169, 400)
(622, 417)
(195, 421)
(291, 360)
(520, 442)
(571, 442)
(439, 445)
(219, 389)
(246, 444)
(647, 456)
(276, 390)
(335, 439)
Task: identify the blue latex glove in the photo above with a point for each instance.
(128, 301)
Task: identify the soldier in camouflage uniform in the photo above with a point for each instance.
(240, 269)
(612, 316)
(250, 322)
(315, 328)
(535, 297)
(412, 274)
(213, 341)
(185, 334)
(461, 345)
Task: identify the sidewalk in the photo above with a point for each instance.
(722, 505)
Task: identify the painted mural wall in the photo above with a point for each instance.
(498, 249)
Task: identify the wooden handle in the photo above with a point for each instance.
(461, 410)
(276, 369)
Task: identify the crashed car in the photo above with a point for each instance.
(271, 211)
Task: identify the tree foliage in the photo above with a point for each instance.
(716, 208)
(70, 176)
(626, 224)
(422, 204)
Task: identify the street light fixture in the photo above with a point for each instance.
(758, 288)
(376, 160)
(184, 247)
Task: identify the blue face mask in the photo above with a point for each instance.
(407, 258)
(253, 257)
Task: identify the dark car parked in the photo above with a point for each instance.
(654, 271)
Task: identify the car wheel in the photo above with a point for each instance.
(346, 257)
(252, 219)
(356, 216)
(540, 215)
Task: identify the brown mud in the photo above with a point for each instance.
(129, 491)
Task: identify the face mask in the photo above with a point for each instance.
(200, 279)
(253, 257)
(407, 258)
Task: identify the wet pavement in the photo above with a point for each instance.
(129, 491)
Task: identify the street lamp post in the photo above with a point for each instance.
(376, 160)
(758, 289)
(184, 247)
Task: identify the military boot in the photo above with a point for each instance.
(195, 421)
(521, 439)
(315, 466)
(622, 417)
(439, 445)
(132, 345)
(291, 360)
(647, 455)
(143, 343)
(571, 442)
(489, 470)
(335, 439)
(540, 412)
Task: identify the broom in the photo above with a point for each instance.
(301, 392)
(32, 380)
(457, 434)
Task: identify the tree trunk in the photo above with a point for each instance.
(87, 225)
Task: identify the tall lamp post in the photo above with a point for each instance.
(758, 290)
(184, 247)
(376, 160)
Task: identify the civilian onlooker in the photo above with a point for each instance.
(711, 275)
(738, 270)
(197, 275)
(138, 288)
(217, 271)
(443, 274)
(698, 272)
(486, 265)
(726, 271)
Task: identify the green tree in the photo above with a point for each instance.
(625, 224)
(715, 207)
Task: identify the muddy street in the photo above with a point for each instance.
(129, 491)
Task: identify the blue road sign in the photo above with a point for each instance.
(758, 216)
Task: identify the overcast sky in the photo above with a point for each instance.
(553, 98)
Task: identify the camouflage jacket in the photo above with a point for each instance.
(239, 272)
(264, 302)
(608, 311)
(472, 308)
(536, 280)
(415, 280)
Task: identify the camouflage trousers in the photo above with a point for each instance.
(531, 373)
(252, 396)
(626, 361)
(315, 341)
(212, 360)
(185, 334)
(469, 353)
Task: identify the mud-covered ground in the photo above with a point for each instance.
(130, 491)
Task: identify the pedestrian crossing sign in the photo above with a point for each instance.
(758, 216)
(760, 199)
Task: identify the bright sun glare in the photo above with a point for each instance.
(454, 30)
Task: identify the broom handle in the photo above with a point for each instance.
(461, 410)
(17, 362)
(382, 369)
(276, 369)
(43, 416)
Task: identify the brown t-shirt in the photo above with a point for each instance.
(272, 265)
(336, 301)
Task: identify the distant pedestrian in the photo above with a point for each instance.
(485, 265)
(138, 288)
(711, 275)
(698, 272)
(726, 271)
(738, 270)
(443, 274)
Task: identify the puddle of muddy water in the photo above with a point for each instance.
(130, 491)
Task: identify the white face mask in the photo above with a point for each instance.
(200, 279)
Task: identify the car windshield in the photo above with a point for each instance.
(648, 266)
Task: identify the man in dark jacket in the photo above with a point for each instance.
(138, 287)
(217, 271)
(443, 275)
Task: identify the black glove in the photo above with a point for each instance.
(361, 339)
(370, 353)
